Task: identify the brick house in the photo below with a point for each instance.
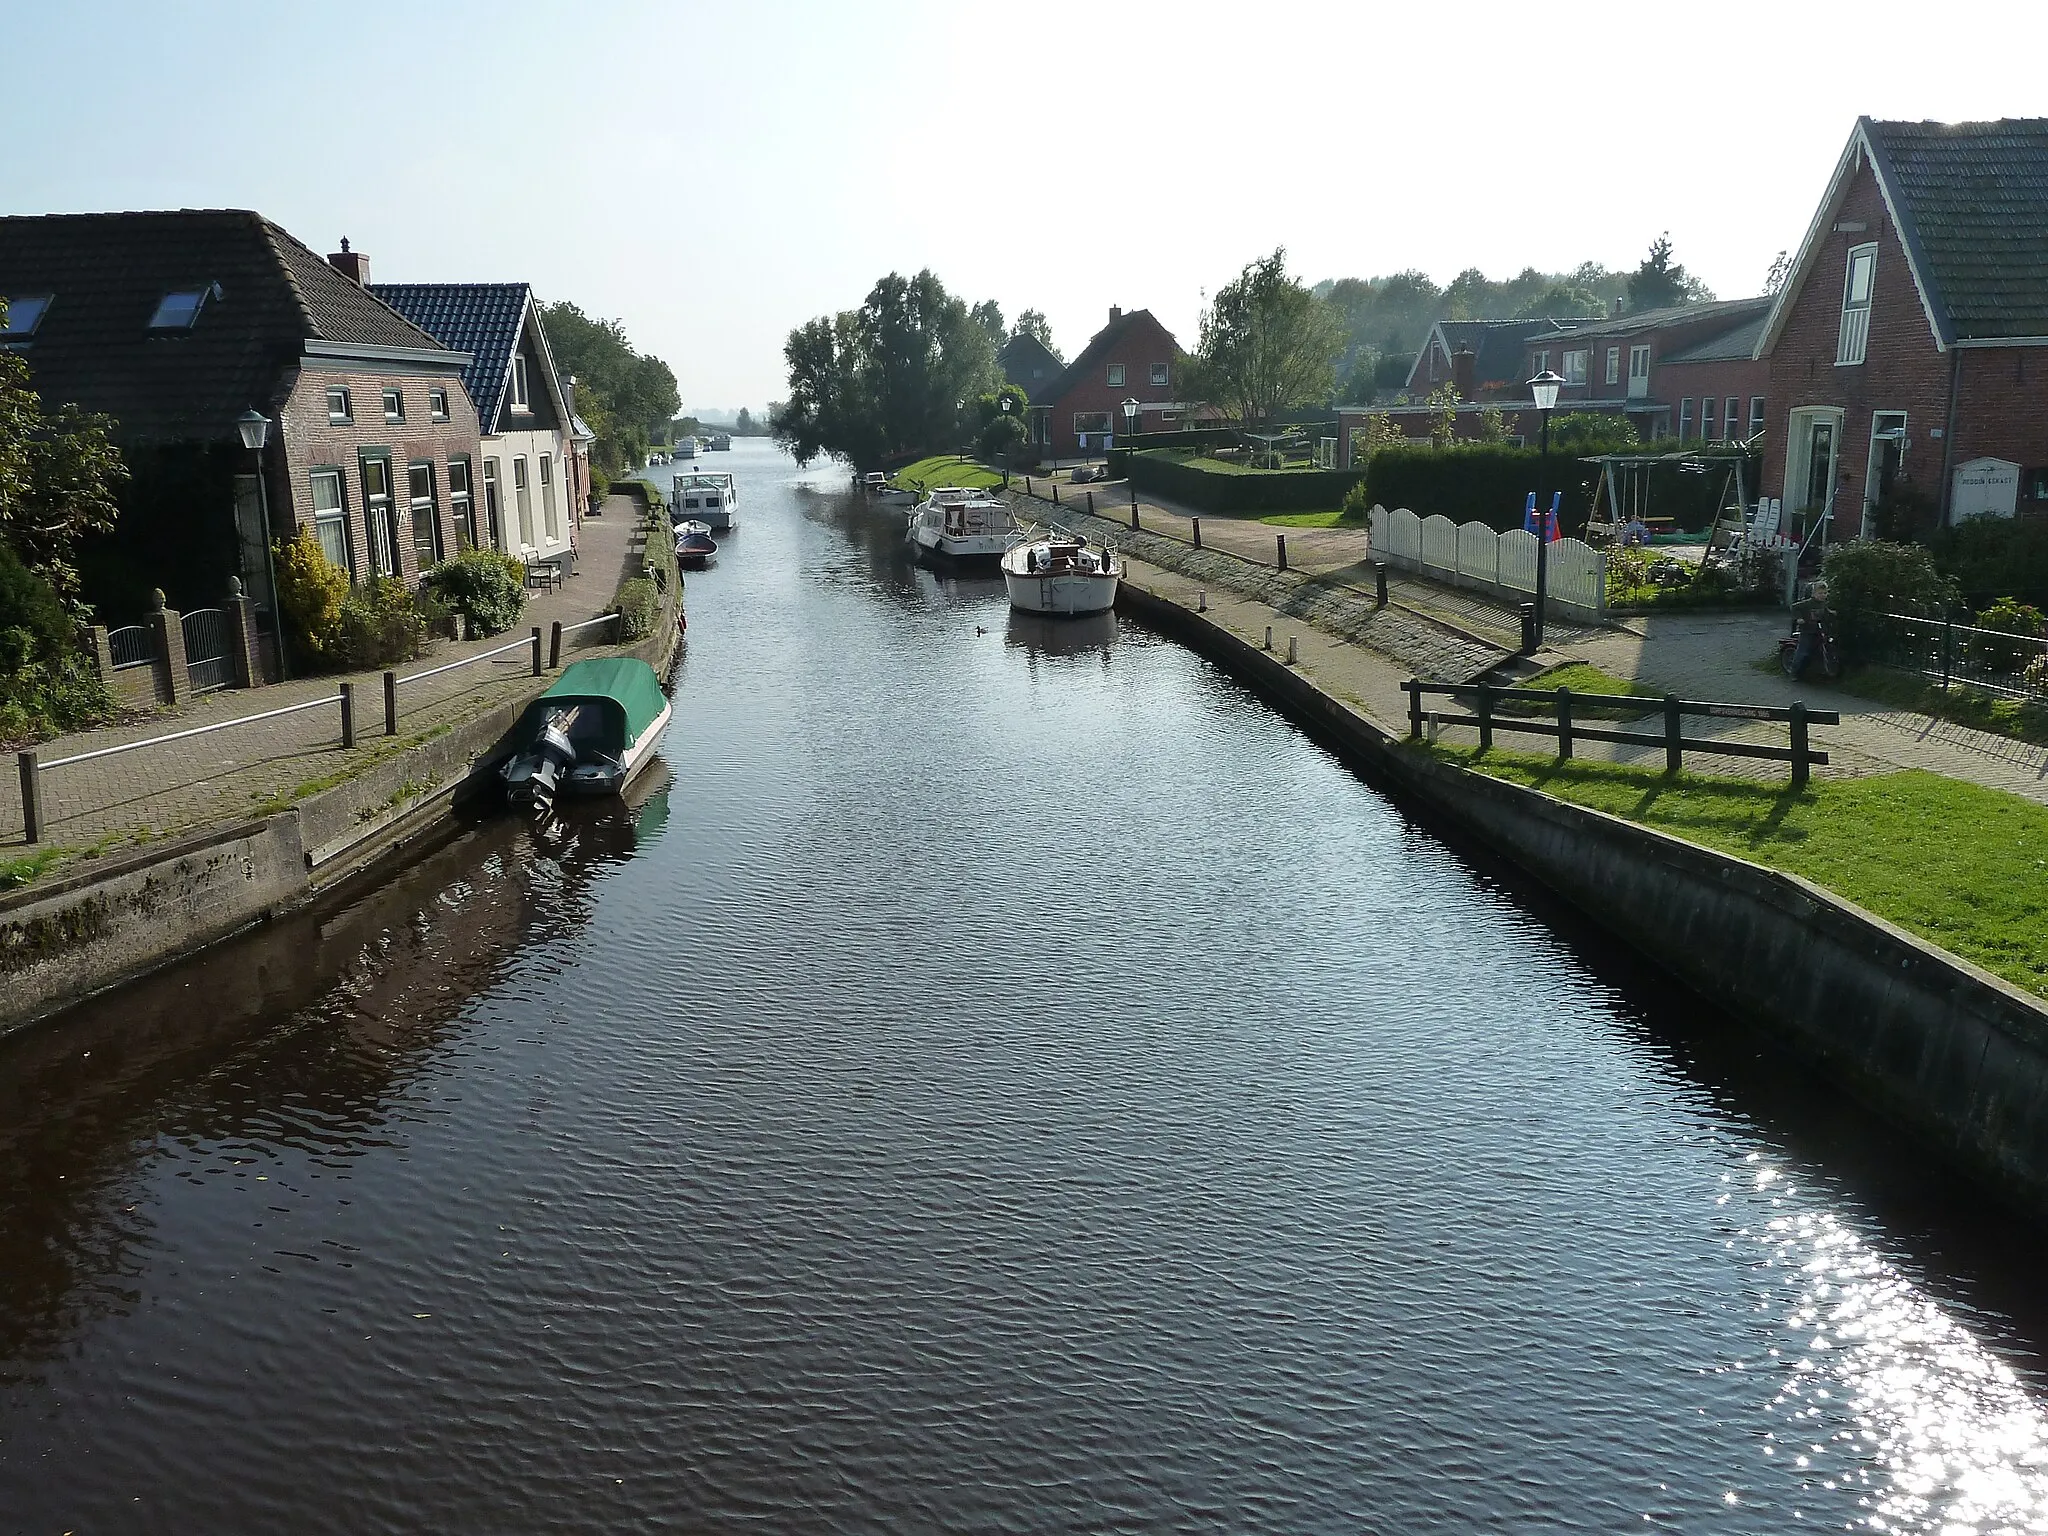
(1910, 340)
(1484, 359)
(526, 501)
(1028, 363)
(177, 323)
(1647, 365)
(1133, 357)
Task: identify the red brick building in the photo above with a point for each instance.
(1646, 365)
(1133, 357)
(1910, 342)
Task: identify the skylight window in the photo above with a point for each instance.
(177, 310)
(25, 312)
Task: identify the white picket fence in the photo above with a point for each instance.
(1504, 564)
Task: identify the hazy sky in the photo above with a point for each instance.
(713, 176)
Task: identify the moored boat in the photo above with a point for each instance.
(694, 544)
(588, 735)
(874, 482)
(686, 448)
(963, 523)
(1058, 573)
(708, 497)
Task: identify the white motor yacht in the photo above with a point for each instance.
(708, 497)
(963, 523)
(1058, 573)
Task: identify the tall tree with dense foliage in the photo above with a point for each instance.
(60, 478)
(627, 397)
(1033, 323)
(891, 378)
(1267, 343)
(1661, 283)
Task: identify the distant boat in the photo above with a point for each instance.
(588, 735)
(694, 544)
(721, 442)
(963, 523)
(874, 482)
(1057, 573)
(686, 448)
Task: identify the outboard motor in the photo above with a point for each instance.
(533, 778)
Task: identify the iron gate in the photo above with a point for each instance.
(206, 649)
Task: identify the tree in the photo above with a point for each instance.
(1443, 421)
(1660, 283)
(988, 314)
(1032, 323)
(627, 398)
(743, 424)
(1267, 343)
(60, 478)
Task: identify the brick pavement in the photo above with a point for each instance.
(227, 775)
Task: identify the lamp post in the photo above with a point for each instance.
(1543, 389)
(255, 429)
(1130, 418)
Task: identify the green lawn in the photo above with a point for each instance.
(1963, 705)
(1225, 467)
(1584, 677)
(945, 469)
(1310, 520)
(1959, 865)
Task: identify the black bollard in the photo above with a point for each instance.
(1380, 582)
(1281, 539)
(1196, 524)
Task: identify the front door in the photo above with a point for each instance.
(1887, 454)
(249, 531)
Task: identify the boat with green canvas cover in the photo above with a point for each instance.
(587, 735)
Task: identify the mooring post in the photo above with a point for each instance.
(1055, 493)
(1414, 687)
(1798, 713)
(1485, 717)
(555, 645)
(1380, 582)
(348, 715)
(1269, 637)
(1281, 540)
(390, 703)
(1196, 524)
(536, 650)
(1202, 602)
(1134, 514)
(1674, 740)
(1027, 485)
(31, 796)
(1290, 649)
(1564, 723)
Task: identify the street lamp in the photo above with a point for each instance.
(254, 427)
(1543, 389)
(1130, 418)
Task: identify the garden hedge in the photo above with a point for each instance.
(1994, 557)
(1221, 490)
(1490, 483)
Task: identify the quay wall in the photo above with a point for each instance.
(122, 917)
(1942, 1049)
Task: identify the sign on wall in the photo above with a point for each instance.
(1985, 488)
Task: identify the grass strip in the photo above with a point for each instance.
(1333, 519)
(1960, 865)
(1961, 704)
(945, 469)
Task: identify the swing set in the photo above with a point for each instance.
(1624, 497)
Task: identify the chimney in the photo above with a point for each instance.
(1618, 302)
(1116, 313)
(1465, 372)
(353, 265)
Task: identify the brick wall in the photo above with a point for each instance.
(1143, 343)
(1743, 378)
(311, 441)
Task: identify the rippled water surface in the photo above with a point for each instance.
(999, 1078)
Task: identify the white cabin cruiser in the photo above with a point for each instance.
(686, 448)
(706, 496)
(963, 523)
(1057, 573)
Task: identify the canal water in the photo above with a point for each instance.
(999, 1077)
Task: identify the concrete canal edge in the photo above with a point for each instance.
(1937, 1046)
(124, 917)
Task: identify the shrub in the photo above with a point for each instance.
(638, 605)
(1870, 577)
(310, 592)
(381, 623)
(1210, 485)
(600, 483)
(47, 684)
(1356, 506)
(1627, 569)
(487, 588)
(2010, 617)
(1995, 556)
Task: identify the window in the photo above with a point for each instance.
(380, 517)
(426, 514)
(338, 411)
(1575, 366)
(1638, 373)
(1857, 282)
(461, 504)
(494, 523)
(25, 312)
(519, 387)
(1091, 421)
(547, 497)
(1159, 374)
(1756, 414)
(1706, 418)
(1614, 365)
(1731, 420)
(522, 500)
(1116, 375)
(437, 404)
(394, 406)
(177, 311)
(1540, 362)
(1685, 418)
(330, 519)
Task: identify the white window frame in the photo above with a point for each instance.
(380, 519)
(437, 403)
(1756, 414)
(1852, 344)
(1542, 360)
(494, 507)
(1161, 375)
(1084, 422)
(347, 413)
(332, 521)
(547, 498)
(1708, 406)
(518, 401)
(1576, 364)
(523, 500)
(1614, 365)
(394, 407)
(1731, 418)
(426, 514)
(1116, 375)
(462, 501)
(1685, 418)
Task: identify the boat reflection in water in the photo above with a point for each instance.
(1043, 635)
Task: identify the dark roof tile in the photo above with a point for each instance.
(482, 319)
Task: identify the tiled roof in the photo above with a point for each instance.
(482, 319)
(1496, 346)
(1734, 343)
(106, 272)
(1734, 311)
(1081, 367)
(1025, 361)
(1972, 204)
